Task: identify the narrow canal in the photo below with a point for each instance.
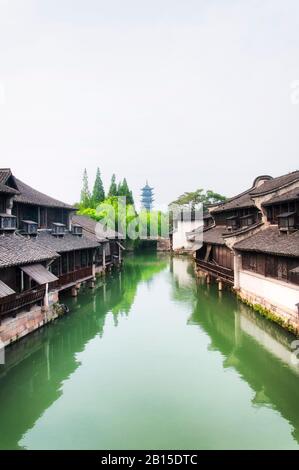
(152, 358)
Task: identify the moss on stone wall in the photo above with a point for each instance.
(271, 316)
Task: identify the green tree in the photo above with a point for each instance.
(124, 190)
(113, 187)
(85, 199)
(130, 198)
(213, 198)
(199, 196)
(119, 191)
(98, 193)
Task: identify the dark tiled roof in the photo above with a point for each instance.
(241, 230)
(236, 202)
(17, 250)
(271, 241)
(288, 196)
(32, 196)
(68, 242)
(94, 228)
(7, 190)
(5, 173)
(243, 199)
(276, 183)
(214, 235)
(5, 290)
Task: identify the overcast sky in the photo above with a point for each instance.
(186, 94)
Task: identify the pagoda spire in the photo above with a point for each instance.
(147, 197)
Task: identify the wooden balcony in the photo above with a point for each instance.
(16, 302)
(71, 278)
(219, 272)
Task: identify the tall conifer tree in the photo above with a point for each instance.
(98, 193)
(113, 187)
(85, 200)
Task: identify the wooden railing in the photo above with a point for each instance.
(226, 274)
(72, 277)
(17, 301)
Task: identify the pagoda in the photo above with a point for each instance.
(147, 197)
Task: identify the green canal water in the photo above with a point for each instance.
(155, 359)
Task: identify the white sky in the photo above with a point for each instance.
(186, 94)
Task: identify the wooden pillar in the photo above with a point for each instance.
(46, 297)
(22, 281)
(220, 286)
(74, 291)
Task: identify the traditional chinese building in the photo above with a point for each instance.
(233, 220)
(267, 263)
(253, 245)
(42, 252)
(111, 247)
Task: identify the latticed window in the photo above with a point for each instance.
(249, 262)
(271, 266)
(276, 267)
(282, 269)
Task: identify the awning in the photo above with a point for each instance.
(39, 273)
(285, 214)
(246, 216)
(120, 246)
(5, 290)
(295, 270)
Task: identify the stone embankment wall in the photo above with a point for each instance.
(14, 328)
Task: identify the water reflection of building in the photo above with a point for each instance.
(182, 272)
(36, 367)
(51, 354)
(258, 350)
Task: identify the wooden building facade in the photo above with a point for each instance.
(43, 250)
(268, 262)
